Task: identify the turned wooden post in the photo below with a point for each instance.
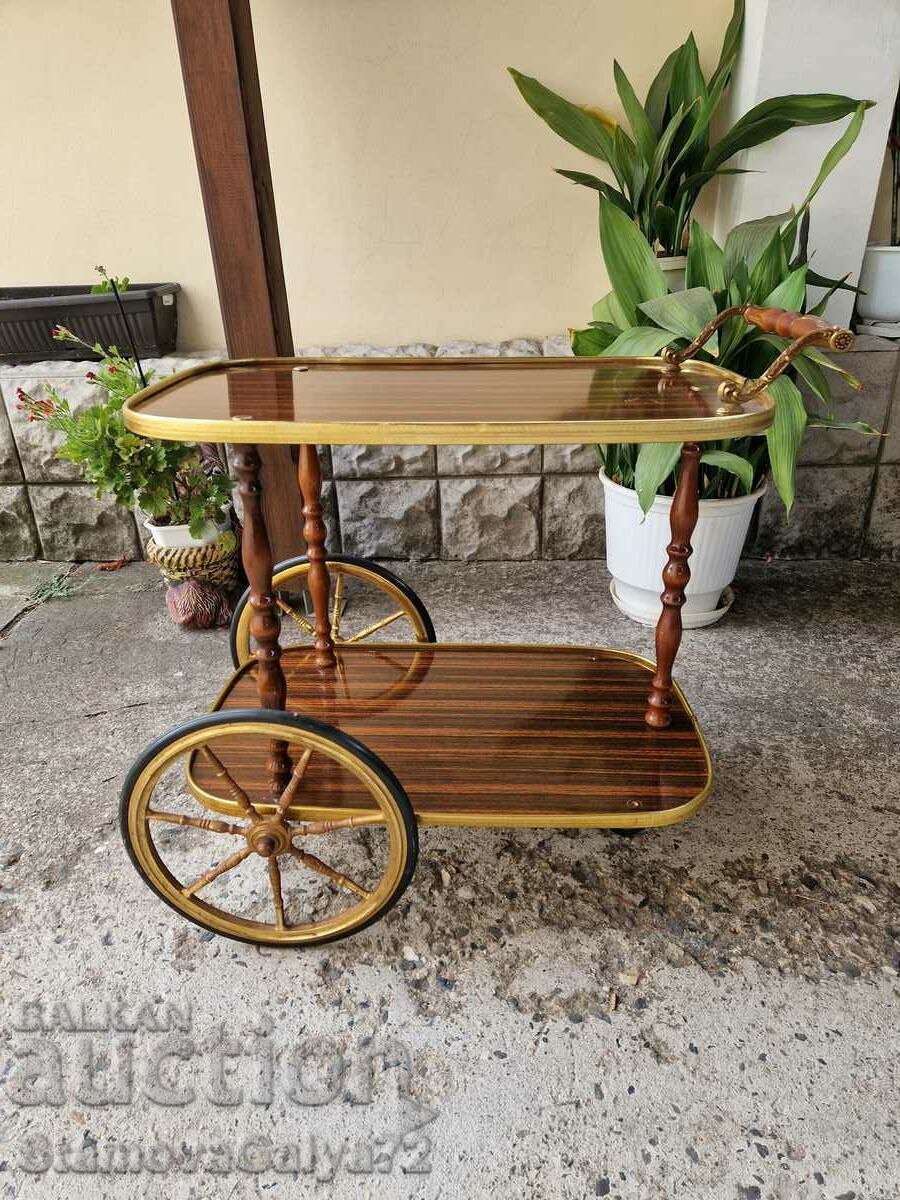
(265, 623)
(676, 574)
(309, 476)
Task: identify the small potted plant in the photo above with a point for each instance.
(185, 494)
(762, 262)
(878, 305)
(662, 166)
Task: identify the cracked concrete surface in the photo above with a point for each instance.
(708, 1011)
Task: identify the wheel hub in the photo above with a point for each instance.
(270, 836)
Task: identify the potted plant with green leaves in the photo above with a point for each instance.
(185, 494)
(762, 262)
(878, 306)
(661, 166)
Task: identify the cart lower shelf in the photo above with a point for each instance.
(504, 735)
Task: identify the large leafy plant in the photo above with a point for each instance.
(661, 167)
(762, 262)
(166, 480)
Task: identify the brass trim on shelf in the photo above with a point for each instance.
(488, 818)
(725, 424)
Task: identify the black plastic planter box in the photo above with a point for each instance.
(28, 314)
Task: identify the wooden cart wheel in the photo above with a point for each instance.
(268, 874)
(393, 607)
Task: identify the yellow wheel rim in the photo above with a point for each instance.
(244, 843)
(404, 611)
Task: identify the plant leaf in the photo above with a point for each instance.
(658, 92)
(632, 268)
(733, 463)
(746, 242)
(588, 342)
(644, 137)
(784, 437)
(790, 293)
(640, 341)
(772, 117)
(820, 421)
(599, 185)
(730, 43)
(705, 261)
(684, 313)
(608, 310)
(655, 463)
(576, 126)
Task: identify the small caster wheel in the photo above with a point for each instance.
(384, 606)
(269, 828)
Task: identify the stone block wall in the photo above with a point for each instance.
(471, 502)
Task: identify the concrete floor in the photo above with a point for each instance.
(708, 1011)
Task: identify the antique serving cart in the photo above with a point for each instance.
(324, 754)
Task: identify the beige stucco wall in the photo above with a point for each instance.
(414, 188)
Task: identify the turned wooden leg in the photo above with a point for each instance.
(309, 476)
(676, 574)
(265, 623)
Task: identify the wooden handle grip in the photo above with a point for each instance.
(796, 325)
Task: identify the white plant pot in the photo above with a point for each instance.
(673, 267)
(636, 554)
(880, 280)
(178, 537)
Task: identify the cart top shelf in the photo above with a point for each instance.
(445, 401)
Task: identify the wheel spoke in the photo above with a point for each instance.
(336, 608)
(214, 873)
(314, 827)
(238, 794)
(321, 868)
(277, 899)
(369, 630)
(208, 823)
(296, 617)
(287, 796)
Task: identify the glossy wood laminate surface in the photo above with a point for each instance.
(486, 735)
(446, 401)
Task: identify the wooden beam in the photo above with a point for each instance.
(221, 84)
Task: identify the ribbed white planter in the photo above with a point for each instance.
(673, 267)
(178, 537)
(636, 553)
(880, 282)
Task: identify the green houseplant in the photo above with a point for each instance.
(669, 156)
(185, 494)
(762, 262)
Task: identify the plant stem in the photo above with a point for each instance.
(112, 284)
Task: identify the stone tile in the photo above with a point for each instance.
(562, 459)
(374, 462)
(522, 348)
(389, 518)
(883, 539)
(558, 345)
(827, 518)
(493, 518)
(466, 349)
(488, 460)
(37, 445)
(74, 526)
(573, 517)
(18, 535)
(19, 581)
(10, 468)
(874, 362)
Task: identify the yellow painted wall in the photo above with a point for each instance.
(414, 187)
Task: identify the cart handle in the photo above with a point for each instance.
(805, 331)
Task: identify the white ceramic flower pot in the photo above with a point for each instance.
(673, 267)
(636, 554)
(880, 280)
(178, 537)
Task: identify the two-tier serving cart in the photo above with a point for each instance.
(289, 814)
